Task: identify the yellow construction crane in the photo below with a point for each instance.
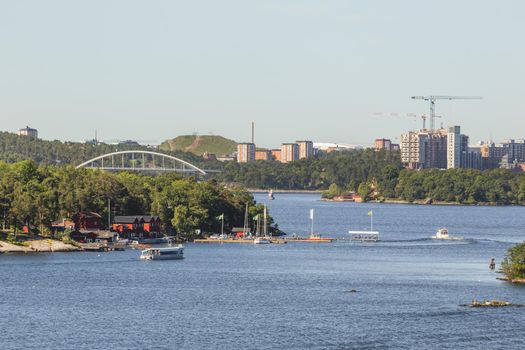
(433, 99)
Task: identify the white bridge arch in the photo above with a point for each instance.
(141, 161)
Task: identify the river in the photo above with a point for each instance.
(292, 296)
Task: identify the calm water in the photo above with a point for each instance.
(283, 296)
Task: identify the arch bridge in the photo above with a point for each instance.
(142, 161)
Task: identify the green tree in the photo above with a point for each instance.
(513, 264)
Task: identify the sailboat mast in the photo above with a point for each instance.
(265, 223)
(312, 218)
(371, 220)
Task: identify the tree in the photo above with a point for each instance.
(364, 191)
(513, 264)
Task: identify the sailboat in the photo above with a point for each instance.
(264, 239)
(366, 236)
(270, 195)
(315, 236)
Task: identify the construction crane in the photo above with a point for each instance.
(433, 99)
(423, 117)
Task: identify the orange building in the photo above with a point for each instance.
(276, 154)
(263, 155)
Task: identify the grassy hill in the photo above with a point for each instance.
(199, 144)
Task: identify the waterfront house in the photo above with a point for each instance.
(87, 221)
(60, 226)
(137, 226)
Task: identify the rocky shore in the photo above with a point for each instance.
(36, 246)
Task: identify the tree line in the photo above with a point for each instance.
(346, 169)
(15, 148)
(38, 195)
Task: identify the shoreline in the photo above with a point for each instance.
(37, 246)
(258, 190)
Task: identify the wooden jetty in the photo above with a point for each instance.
(240, 241)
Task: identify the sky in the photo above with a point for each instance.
(322, 70)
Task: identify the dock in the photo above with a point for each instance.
(273, 240)
(240, 241)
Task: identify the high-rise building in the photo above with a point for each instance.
(306, 149)
(454, 147)
(245, 152)
(29, 132)
(441, 148)
(289, 152)
(503, 155)
(413, 145)
(424, 149)
(383, 144)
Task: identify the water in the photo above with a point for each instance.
(280, 296)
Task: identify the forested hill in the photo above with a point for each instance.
(347, 169)
(14, 148)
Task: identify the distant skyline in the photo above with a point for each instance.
(310, 69)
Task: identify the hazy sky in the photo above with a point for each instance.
(303, 69)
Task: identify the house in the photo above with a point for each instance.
(60, 226)
(142, 226)
(87, 221)
(239, 232)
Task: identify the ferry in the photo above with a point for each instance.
(168, 253)
(442, 234)
(364, 236)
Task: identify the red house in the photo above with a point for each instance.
(87, 221)
(137, 226)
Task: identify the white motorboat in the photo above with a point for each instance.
(261, 240)
(442, 234)
(168, 253)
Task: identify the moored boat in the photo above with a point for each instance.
(366, 236)
(168, 253)
(261, 240)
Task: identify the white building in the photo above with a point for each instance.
(245, 152)
(29, 132)
(454, 147)
(306, 149)
(289, 152)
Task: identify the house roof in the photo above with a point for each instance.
(125, 219)
(90, 214)
(130, 219)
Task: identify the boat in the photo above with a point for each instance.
(265, 239)
(316, 237)
(366, 236)
(442, 234)
(261, 240)
(270, 195)
(168, 253)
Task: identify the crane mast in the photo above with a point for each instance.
(433, 99)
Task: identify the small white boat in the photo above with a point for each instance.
(261, 240)
(168, 253)
(442, 234)
(270, 195)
